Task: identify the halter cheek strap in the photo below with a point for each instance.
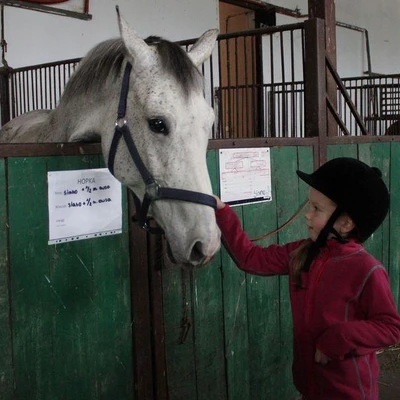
(153, 191)
(316, 246)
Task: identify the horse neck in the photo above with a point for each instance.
(94, 112)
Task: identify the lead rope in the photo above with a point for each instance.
(185, 322)
(288, 222)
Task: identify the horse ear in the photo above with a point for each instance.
(136, 46)
(204, 46)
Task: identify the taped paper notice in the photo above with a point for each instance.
(83, 204)
(245, 175)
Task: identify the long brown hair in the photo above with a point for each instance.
(299, 257)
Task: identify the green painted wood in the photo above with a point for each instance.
(394, 219)
(378, 155)
(34, 302)
(111, 277)
(284, 166)
(70, 273)
(342, 150)
(179, 340)
(208, 317)
(305, 164)
(196, 367)
(263, 307)
(101, 303)
(71, 302)
(259, 358)
(235, 324)
(6, 368)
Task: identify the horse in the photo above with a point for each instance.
(394, 129)
(149, 92)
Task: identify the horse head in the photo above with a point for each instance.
(169, 124)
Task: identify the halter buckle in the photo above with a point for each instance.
(152, 190)
(120, 122)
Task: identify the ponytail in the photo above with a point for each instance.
(299, 257)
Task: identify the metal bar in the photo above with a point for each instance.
(35, 96)
(336, 116)
(293, 95)
(60, 89)
(45, 89)
(13, 94)
(251, 32)
(236, 117)
(54, 86)
(24, 99)
(254, 88)
(365, 32)
(272, 122)
(46, 65)
(19, 95)
(46, 9)
(41, 88)
(246, 90)
(221, 116)
(346, 95)
(229, 104)
(261, 5)
(5, 95)
(260, 126)
(284, 93)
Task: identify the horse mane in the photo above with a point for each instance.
(105, 60)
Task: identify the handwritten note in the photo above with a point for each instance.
(245, 175)
(83, 204)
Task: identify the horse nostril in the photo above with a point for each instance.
(197, 255)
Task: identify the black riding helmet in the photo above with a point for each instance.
(357, 189)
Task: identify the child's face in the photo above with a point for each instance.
(319, 210)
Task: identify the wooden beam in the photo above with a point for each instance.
(325, 9)
(315, 85)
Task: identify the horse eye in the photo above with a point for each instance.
(157, 125)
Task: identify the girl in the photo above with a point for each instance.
(342, 307)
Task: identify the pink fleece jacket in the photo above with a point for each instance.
(346, 310)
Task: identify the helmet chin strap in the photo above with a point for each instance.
(322, 238)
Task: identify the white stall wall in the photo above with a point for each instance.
(34, 37)
(379, 17)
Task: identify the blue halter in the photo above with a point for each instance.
(153, 190)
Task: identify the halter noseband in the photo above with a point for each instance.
(153, 190)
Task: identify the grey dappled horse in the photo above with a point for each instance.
(167, 123)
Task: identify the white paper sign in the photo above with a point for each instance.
(83, 204)
(245, 175)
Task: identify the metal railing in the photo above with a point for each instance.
(254, 81)
(37, 87)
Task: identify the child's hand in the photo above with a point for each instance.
(220, 203)
(321, 358)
